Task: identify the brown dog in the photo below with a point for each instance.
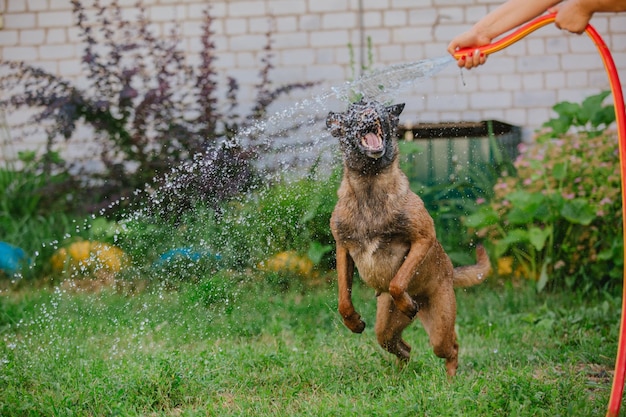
(382, 227)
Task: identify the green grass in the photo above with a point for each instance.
(234, 345)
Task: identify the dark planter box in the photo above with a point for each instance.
(445, 149)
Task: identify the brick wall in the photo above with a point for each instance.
(519, 85)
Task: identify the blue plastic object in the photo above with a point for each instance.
(184, 253)
(12, 258)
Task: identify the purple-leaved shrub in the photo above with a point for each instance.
(148, 108)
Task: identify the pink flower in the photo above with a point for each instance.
(605, 200)
(480, 200)
(569, 196)
(528, 181)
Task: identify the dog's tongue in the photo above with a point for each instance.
(373, 141)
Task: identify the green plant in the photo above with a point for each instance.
(219, 289)
(287, 216)
(589, 118)
(31, 217)
(236, 347)
(448, 203)
(354, 96)
(23, 189)
(363, 67)
(559, 217)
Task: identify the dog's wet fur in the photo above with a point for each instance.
(382, 227)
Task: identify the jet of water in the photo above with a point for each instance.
(291, 144)
(384, 84)
(308, 140)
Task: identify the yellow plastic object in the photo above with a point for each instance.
(289, 262)
(89, 256)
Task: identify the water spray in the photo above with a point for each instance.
(620, 117)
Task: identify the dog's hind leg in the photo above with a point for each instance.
(390, 322)
(438, 318)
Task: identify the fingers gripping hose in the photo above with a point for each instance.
(620, 116)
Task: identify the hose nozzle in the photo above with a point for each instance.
(508, 40)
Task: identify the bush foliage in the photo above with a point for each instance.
(558, 218)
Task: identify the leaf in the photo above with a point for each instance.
(538, 237)
(317, 251)
(484, 217)
(559, 172)
(593, 103)
(566, 110)
(409, 147)
(27, 156)
(518, 216)
(525, 200)
(604, 116)
(578, 211)
(559, 125)
(512, 237)
(606, 254)
(567, 113)
(543, 276)
(590, 106)
(525, 206)
(614, 253)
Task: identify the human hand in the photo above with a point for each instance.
(466, 40)
(571, 15)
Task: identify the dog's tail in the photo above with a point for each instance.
(466, 276)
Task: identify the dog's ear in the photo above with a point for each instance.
(396, 109)
(335, 122)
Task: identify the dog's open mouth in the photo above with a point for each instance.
(373, 145)
(371, 134)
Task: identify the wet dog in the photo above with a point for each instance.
(382, 227)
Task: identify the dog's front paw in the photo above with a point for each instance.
(403, 300)
(408, 306)
(354, 323)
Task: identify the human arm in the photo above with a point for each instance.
(574, 15)
(505, 17)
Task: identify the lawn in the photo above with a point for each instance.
(235, 344)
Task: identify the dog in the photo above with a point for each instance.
(382, 227)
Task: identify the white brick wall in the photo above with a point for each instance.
(518, 85)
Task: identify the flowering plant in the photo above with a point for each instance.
(558, 218)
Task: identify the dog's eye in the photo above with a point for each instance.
(378, 126)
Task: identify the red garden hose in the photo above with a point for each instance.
(620, 116)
